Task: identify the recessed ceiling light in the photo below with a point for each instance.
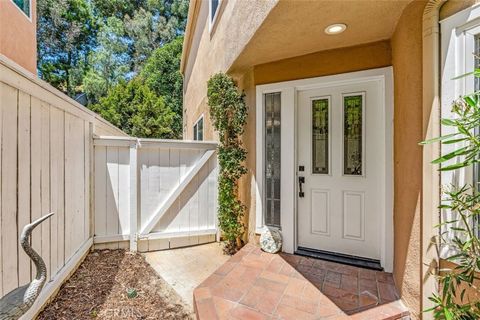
(335, 28)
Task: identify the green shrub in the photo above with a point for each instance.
(458, 284)
(228, 112)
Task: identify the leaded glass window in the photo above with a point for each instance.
(272, 158)
(353, 135)
(320, 120)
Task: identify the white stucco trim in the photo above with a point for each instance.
(288, 90)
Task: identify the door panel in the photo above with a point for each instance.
(353, 215)
(340, 136)
(321, 208)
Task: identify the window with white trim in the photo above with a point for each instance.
(213, 12)
(23, 5)
(198, 130)
(460, 46)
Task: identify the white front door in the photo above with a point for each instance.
(340, 143)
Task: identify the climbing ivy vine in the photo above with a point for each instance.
(228, 113)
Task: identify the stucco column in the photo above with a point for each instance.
(431, 128)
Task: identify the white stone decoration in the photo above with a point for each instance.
(271, 240)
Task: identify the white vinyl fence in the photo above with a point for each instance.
(112, 191)
(45, 161)
(154, 194)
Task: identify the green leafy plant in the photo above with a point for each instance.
(228, 112)
(458, 297)
(132, 293)
(137, 110)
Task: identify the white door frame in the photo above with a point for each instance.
(288, 192)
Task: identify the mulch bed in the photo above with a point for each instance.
(101, 286)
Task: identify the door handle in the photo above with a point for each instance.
(301, 181)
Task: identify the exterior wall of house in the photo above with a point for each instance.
(356, 58)
(212, 51)
(404, 52)
(18, 40)
(407, 63)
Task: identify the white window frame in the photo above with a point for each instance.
(457, 46)
(195, 134)
(29, 16)
(212, 21)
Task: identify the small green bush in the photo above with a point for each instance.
(228, 112)
(456, 299)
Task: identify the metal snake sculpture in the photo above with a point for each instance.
(17, 302)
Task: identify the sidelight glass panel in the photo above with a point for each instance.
(272, 158)
(352, 135)
(320, 152)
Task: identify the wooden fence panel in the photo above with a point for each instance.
(9, 188)
(36, 171)
(24, 263)
(45, 160)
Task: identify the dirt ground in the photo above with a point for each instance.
(115, 284)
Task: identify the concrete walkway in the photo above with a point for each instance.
(185, 268)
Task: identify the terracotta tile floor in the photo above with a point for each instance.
(185, 268)
(256, 285)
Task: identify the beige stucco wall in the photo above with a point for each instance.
(213, 51)
(407, 63)
(404, 52)
(18, 39)
(361, 57)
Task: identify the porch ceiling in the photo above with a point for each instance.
(295, 28)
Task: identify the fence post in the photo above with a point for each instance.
(133, 196)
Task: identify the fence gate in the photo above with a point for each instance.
(154, 194)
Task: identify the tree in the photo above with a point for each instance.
(148, 30)
(66, 33)
(117, 8)
(109, 62)
(96, 46)
(137, 110)
(162, 75)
